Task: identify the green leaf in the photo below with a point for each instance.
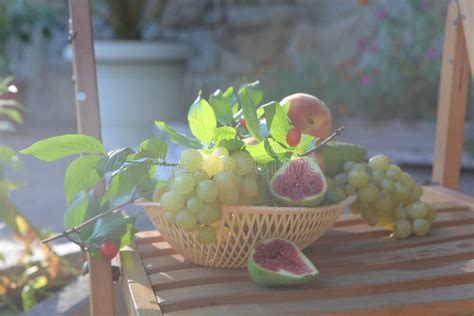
(154, 148)
(202, 120)
(9, 158)
(277, 122)
(225, 132)
(306, 142)
(231, 99)
(177, 137)
(58, 147)
(147, 188)
(76, 212)
(111, 227)
(81, 174)
(249, 94)
(259, 153)
(13, 114)
(126, 178)
(113, 160)
(40, 282)
(267, 151)
(28, 297)
(221, 107)
(255, 92)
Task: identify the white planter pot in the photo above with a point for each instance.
(139, 82)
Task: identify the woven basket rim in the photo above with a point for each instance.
(268, 209)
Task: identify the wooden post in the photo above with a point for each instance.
(88, 122)
(452, 102)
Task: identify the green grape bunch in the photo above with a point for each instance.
(386, 196)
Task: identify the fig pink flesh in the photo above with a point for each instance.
(279, 255)
(298, 181)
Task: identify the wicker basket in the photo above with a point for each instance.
(247, 225)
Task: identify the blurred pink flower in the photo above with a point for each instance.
(374, 49)
(425, 6)
(381, 14)
(432, 53)
(364, 80)
(362, 43)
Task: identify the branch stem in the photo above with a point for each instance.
(335, 133)
(77, 228)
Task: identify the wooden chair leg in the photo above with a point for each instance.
(452, 102)
(88, 121)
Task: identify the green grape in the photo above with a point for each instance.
(226, 181)
(355, 208)
(335, 194)
(402, 229)
(417, 210)
(349, 189)
(377, 176)
(230, 197)
(209, 214)
(207, 191)
(379, 163)
(388, 186)
(331, 182)
(186, 219)
(190, 160)
(159, 193)
(360, 166)
(199, 176)
(252, 174)
(387, 219)
(169, 217)
(395, 167)
(402, 193)
(357, 178)
(420, 227)
(243, 162)
(184, 184)
(383, 203)
(416, 193)
(401, 212)
(392, 174)
(407, 180)
(249, 187)
(368, 193)
(212, 165)
(228, 164)
(194, 204)
(246, 200)
(207, 235)
(430, 217)
(172, 201)
(341, 178)
(348, 165)
(221, 151)
(370, 216)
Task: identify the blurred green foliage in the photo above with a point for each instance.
(393, 72)
(20, 19)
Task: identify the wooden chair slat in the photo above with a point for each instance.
(467, 18)
(417, 303)
(135, 280)
(452, 102)
(327, 288)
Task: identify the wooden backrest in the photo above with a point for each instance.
(457, 67)
(88, 122)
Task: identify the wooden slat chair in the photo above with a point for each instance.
(363, 272)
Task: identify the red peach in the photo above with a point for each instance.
(309, 115)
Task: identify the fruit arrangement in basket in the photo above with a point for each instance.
(250, 171)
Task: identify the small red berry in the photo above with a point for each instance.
(108, 250)
(293, 137)
(243, 122)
